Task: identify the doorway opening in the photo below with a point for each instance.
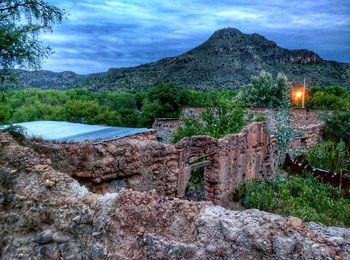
(195, 188)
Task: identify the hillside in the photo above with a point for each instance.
(226, 60)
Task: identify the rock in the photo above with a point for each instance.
(48, 251)
(49, 183)
(60, 237)
(96, 234)
(43, 237)
(295, 222)
(336, 240)
(211, 249)
(97, 252)
(69, 251)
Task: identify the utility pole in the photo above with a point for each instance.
(304, 90)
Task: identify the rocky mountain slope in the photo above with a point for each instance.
(226, 60)
(46, 214)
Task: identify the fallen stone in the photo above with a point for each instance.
(295, 222)
(60, 237)
(43, 237)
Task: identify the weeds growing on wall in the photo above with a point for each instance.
(305, 198)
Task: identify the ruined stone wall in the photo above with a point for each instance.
(145, 164)
(165, 128)
(46, 214)
(244, 157)
(141, 165)
(306, 122)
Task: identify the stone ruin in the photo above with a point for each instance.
(306, 122)
(142, 163)
(47, 214)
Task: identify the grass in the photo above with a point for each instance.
(305, 198)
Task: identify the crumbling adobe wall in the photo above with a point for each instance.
(109, 166)
(243, 157)
(144, 165)
(232, 160)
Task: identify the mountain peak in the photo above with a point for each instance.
(226, 33)
(227, 59)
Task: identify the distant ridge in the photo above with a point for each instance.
(227, 59)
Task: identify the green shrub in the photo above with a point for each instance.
(338, 126)
(330, 97)
(216, 122)
(305, 198)
(264, 91)
(330, 155)
(16, 131)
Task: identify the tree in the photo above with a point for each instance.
(226, 118)
(20, 23)
(163, 100)
(330, 97)
(338, 126)
(88, 112)
(264, 91)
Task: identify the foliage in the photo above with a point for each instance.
(163, 100)
(330, 155)
(338, 126)
(197, 180)
(264, 91)
(81, 111)
(330, 97)
(281, 126)
(20, 23)
(112, 108)
(305, 198)
(216, 122)
(3, 115)
(17, 132)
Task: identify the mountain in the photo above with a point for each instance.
(227, 59)
(49, 79)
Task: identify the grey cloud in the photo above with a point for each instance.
(103, 34)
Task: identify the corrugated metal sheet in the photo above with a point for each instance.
(74, 132)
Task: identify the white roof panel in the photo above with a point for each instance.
(74, 132)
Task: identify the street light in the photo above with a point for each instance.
(300, 93)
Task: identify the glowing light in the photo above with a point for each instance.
(298, 94)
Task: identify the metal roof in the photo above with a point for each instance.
(74, 132)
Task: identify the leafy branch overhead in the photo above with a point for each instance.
(20, 23)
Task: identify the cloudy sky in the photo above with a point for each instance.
(98, 35)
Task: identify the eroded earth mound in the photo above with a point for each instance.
(46, 214)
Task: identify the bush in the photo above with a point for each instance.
(264, 91)
(305, 198)
(216, 122)
(16, 131)
(338, 126)
(330, 155)
(331, 97)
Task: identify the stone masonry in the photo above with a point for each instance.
(145, 164)
(307, 122)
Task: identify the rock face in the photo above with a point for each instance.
(145, 164)
(65, 221)
(227, 59)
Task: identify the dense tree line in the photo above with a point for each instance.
(110, 108)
